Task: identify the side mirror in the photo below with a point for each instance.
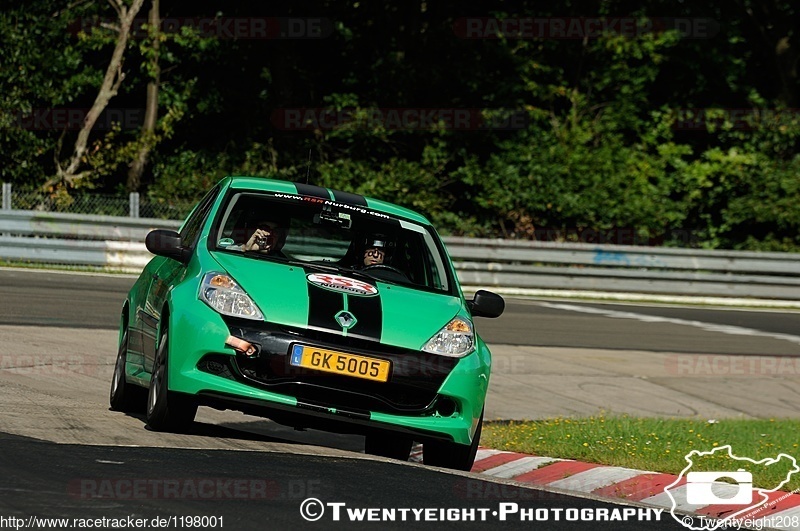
(166, 243)
(486, 304)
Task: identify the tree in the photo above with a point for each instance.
(147, 138)
(68, 174)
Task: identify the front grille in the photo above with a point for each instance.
(413, 384)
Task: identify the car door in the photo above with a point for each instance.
(140, 339)
(169, 273)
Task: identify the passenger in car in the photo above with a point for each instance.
(268, 237)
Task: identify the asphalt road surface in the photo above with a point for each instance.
(264, 490)
(64, 454)
(93, 301)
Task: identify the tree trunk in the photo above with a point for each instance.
(69, 175)
(136, 168)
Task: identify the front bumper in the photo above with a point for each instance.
(428, 396)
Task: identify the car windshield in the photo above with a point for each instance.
(323, 234)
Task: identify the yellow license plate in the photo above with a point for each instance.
(340, 363)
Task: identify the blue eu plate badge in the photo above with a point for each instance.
(297, 355)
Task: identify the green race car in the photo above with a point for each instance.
(315, 308)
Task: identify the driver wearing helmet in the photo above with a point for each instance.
(375, 252)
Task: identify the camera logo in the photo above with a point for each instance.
(703, 489)
(699, 487)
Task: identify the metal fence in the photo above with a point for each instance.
(117, 243)
(84, 202)
(618, 268)
(110, 242)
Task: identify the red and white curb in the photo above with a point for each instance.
(621, 484)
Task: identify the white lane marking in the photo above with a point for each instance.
(104, 462)
(708, 327)
(596, 478)
(663, 500)
(63, 272)
(518, 467)
(483, 453)
(622, 297)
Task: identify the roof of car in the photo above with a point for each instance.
(287, 187)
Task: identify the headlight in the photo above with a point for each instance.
(454, 340)
(224, 295)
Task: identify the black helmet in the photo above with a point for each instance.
(378, 241)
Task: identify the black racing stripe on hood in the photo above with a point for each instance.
(368, 312)
(323, 305)
(348, 198)
(312, 190)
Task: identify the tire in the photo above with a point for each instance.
(452, 455)
(167, 410)
(388, 445)
(125, 396)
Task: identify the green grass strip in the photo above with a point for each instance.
(658, 445)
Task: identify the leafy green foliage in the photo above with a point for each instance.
(677, 127)
(34, 80)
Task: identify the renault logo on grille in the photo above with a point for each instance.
(346, 319)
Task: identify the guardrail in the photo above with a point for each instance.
(53, 238)
(629, 269)
(117, 243)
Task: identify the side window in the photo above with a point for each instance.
(191, 229)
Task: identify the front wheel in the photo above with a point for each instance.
(124, 396)
(452, 455)
(166, 410)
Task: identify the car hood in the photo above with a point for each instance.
(395, 315)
